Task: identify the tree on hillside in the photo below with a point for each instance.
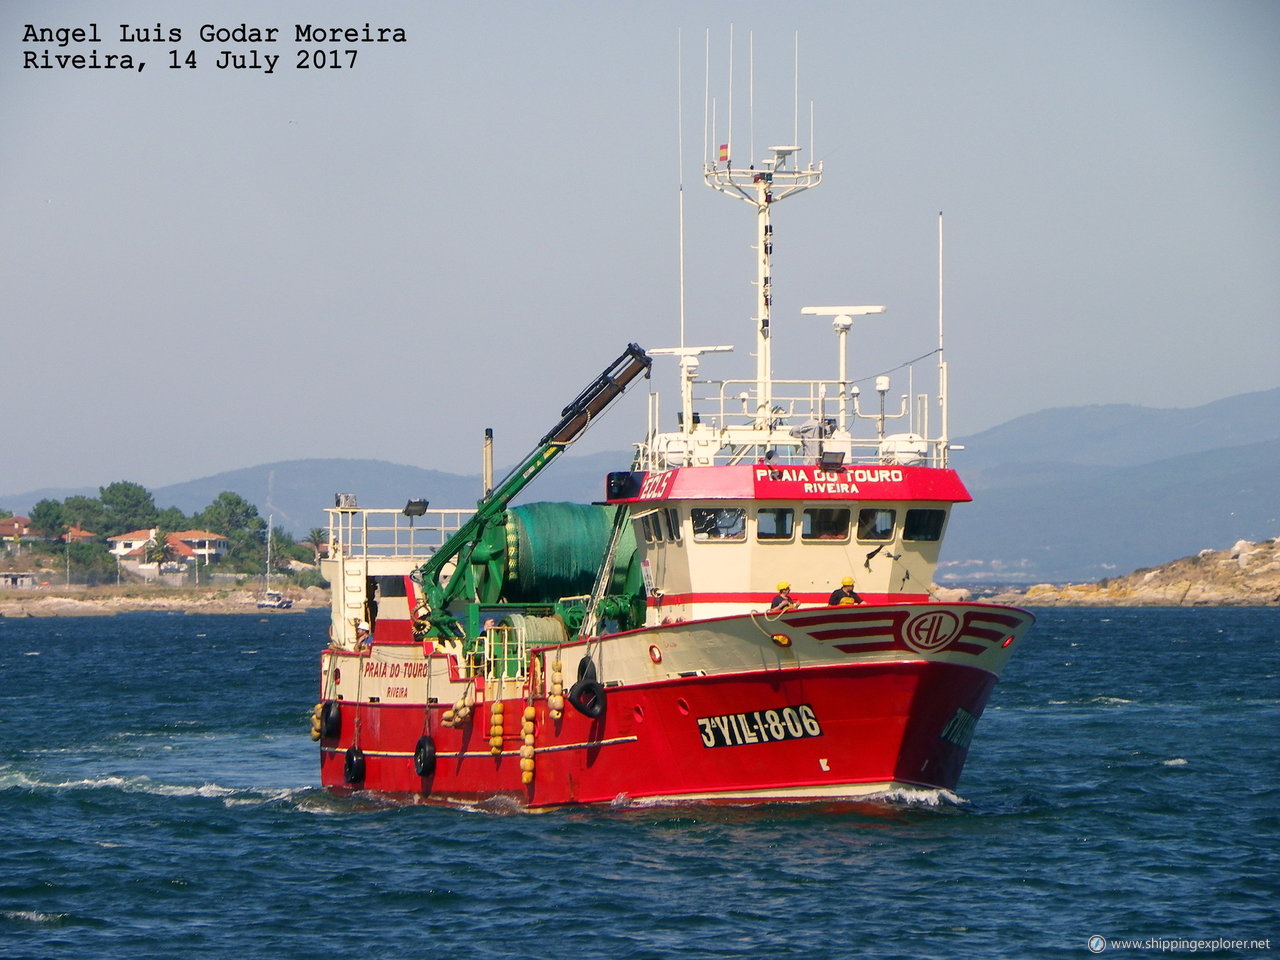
(48, 518)
(283, 548)
(91, 563)
(171, 518)
(127, 506)
(236, 519)
(86, 512)
(317, 539)
(158, 549)
(228, 513)
(246, 550)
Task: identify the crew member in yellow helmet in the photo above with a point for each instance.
(783, 602)
(844, 594)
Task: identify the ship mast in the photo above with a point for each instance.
(780, 176)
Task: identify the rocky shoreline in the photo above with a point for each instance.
(106, 602)
(1247, 574)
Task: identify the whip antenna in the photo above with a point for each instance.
(795, 99)
(729, 135)
(751, 91)
(942, 363)
(680, 164)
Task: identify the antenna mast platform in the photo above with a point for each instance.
(780, 177)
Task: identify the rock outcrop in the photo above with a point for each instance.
(97, 602)
(1248, 574)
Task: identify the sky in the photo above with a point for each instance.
(205, 269)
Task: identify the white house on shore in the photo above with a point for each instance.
(186, 546)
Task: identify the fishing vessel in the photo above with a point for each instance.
(748, 615)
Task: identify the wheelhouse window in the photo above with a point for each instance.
(825, 523)
(876, 523)
(651, 528)
(775, 523)
(673, 524)
(719, 523)
(924, 524)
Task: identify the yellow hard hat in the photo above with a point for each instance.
(783, 585)
(847, 581)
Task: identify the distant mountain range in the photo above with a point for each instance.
(1068, 494)
(1082, 493)
(295, 492)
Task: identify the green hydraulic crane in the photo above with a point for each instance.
(440, 591)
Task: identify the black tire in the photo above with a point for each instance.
(588, 698)
(330, 719)
(353, 767)
(424, 757)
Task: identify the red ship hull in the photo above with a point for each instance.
(880, 720)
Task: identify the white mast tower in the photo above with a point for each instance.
(780, 176)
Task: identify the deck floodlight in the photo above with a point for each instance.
(415, 508)
(831, 459)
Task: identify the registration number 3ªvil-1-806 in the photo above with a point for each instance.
(759, 726)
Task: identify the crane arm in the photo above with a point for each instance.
(574, 420)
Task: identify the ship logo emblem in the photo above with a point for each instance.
(930, 632)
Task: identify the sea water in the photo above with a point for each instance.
(159, 798)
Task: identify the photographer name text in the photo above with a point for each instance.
(239, 46)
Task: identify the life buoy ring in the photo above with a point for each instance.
(587, 697)
(330, 719)
(353, 766)
(424, 757)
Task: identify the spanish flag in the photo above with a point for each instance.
(724, 153)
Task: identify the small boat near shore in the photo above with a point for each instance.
(274, 600)
(748, 616)
(271, 599)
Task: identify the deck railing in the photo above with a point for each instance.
(388, 533)
(806, 418)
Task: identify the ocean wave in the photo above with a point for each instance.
(12, 779)
(34, 916)
(321, 802)
(1087, 701)
(898, 796)
(316, 800)
(921, 797)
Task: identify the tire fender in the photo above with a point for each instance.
(353, 766)
(587, 696)
(330, 719)
(424, 757)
